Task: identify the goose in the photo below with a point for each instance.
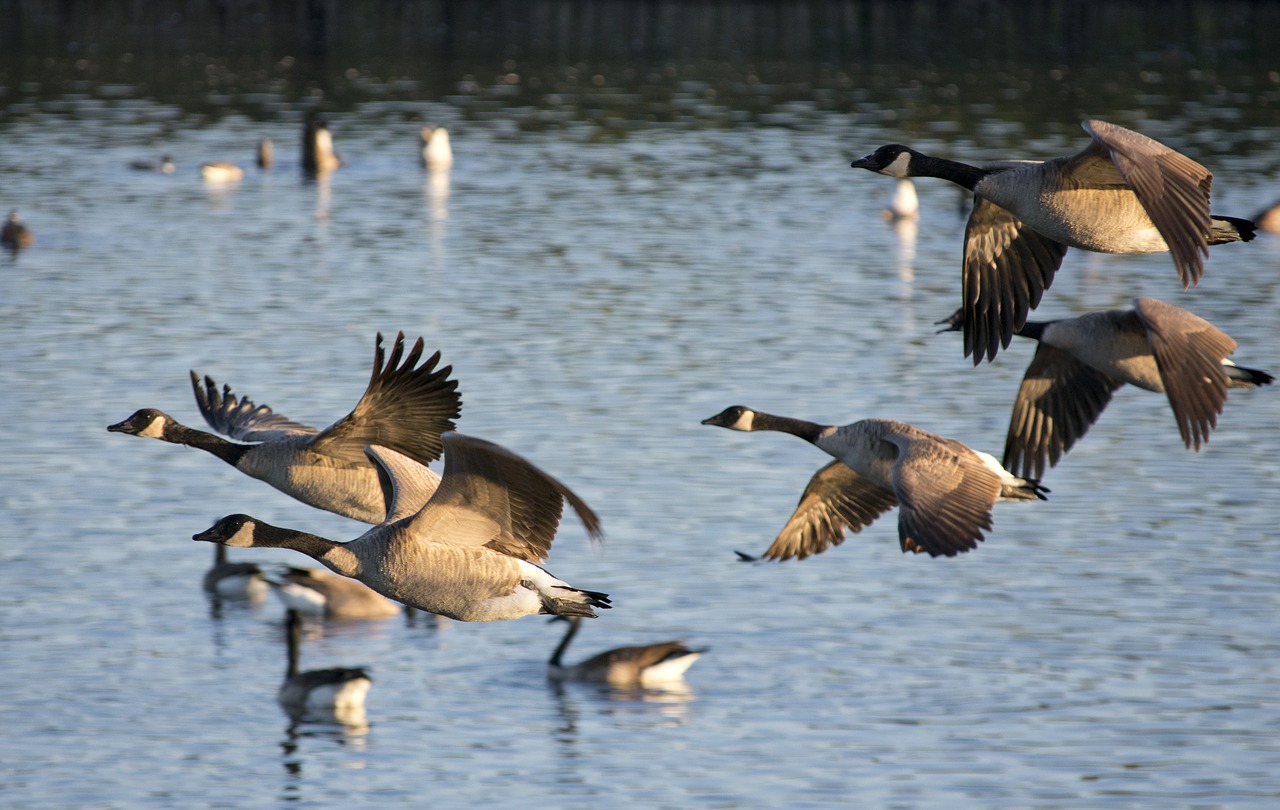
(648, 665)
(314, 591)
(468, 553)
(904, 204)
(1268, 219)
(1123, 193)
(944, 490)
(436, 153)
(1080, 362)
(165, 166)
(238, 580)
(220, 172)
(406, 407)
(339, 691)
(265, 156)
(318, 156)
(15, 235)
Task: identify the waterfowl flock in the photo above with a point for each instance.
(467, 543)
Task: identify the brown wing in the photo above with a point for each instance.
(406, 407)
(1173, 189)
(836, 497)
(1007, 268)
(945, 495)
(1189, 352)
(1059, 400)
(490, 496)
(240, 418)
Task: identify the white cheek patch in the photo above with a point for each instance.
(745, 421)
(899, 167)
(153, 430)
(243, 538)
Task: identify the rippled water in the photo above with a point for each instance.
(597, 297)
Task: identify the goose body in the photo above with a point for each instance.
(1080, 362)
(219, 172)
(944, 489)
(310, 590)
(469, 553)
(648, 665)
(14, 234)
(1124, 193)
(436, 152)
(234, 580)
(905, 203)
(318, 156)
(405, 407)
(339, 691)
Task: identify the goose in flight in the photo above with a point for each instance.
(469, 553)
(944, 490)
(405, 407)
(1123, 193)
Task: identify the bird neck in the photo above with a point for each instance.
(962, 174)
(564, 642)
(336, 556)
(293, 638)
(1033, 329)
(809, 431)
(229, 452)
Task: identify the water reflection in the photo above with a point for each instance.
(669, 703)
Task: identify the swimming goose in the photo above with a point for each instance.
(1080, 362)
(904, 204)
(405, 407)
(220, 172)
(1124, 193)
(469, 553)
(240, 580)
(165, 166)
(338, 690)
(265, 156)
(318, 156)
(647, 665)
(15, 235)
(310, 590)
(436, 153)
(944, 489)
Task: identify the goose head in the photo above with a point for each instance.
(735, 417)
(232, 530)
(148, 423)
(893, 159)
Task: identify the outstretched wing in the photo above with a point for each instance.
(240, 418)
(836, 498)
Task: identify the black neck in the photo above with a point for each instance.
(564, 642)
(229, 452)
(962, 174)
(293, 636)
(1033, 329)
(809, 431)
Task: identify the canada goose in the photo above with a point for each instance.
(220, 172)
(405, 407)
(15, 235)
(647, 665)
(468, 553)
(944, 489)
(265, 155)
(436, 153)
(165, 166)
(1080, 362)
(1124, 193)
(339, 691)
(904, 204)
(318, 156)
(240, 580)
(313, 591)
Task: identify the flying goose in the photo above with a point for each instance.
(944, 489)
(1080, 362)
(15, 235)
(405, 407)
(339, 691)
(469, 553)
(648, 665)
(318, 156)
(239, 580)
(436, 152)
(311, 590)
(1124, 193)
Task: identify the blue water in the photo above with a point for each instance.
(1115, 646)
